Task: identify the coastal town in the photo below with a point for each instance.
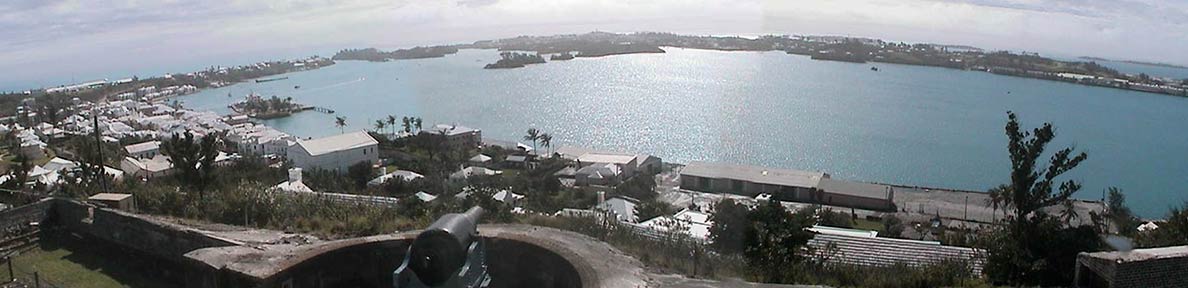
(228, 199)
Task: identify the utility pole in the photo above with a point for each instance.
(99, 149)
(966, 208)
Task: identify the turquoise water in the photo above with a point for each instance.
(904, 124)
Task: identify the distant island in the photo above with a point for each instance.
(1157, 64)
(155, 88)
(515, 60)
(374, 55)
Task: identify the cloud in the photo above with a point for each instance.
(1143, 30)
(58, 40)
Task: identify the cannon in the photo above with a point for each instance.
(447, 254)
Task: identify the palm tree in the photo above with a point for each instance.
(407, 124)
(392, 123)
(417, 123)
(341, 123)
(379, 126)
(546, 140)
(533, 135)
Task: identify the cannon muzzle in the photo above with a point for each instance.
(441, 250)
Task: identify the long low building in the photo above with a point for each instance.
(786, 185)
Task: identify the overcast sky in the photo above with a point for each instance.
(51, 42)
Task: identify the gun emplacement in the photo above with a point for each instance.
(447, 254)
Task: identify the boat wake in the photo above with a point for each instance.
(335, 85)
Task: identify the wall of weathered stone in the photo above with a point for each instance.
(1168, 272)
(157, 239)
(17, 220)
(152, 244)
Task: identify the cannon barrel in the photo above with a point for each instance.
(441, 250)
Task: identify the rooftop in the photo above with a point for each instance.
(1142, 254)
(859, 189)
(606, 158)
(337, 143)
(110, 197)
(754, 174)
(451, 130)
(143, 147)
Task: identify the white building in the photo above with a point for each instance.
(604, 174)
(456, 135)
(402, 175)
(144, 150)
(694, 223)
(629, 163)
(466, 173)
(251, 139)
(156, 166)
(335, 153)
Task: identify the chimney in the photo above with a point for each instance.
(295, 175)
(601, 197)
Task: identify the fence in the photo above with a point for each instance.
(24, 279)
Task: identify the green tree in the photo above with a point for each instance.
(379, 126)
(91, 176)
(546, 140)
(892, 227)
(407, 124)
(827, 217)
(1172, 232)
(392, 124)
(341, 123)
(19, 173)
(417, 123)
(1119, 213)
(651, 209)
(360, 173)
(1036, 248)
(532, 135)
(776, 240)
(730, 226)
(192, 158)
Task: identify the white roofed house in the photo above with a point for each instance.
(456, 135)
(402, 175)
(629, 164)
(604, 174)
(147, 149)
(156, 166)
(253, 139)
(466, 173)
(335, 153)
(620, 207)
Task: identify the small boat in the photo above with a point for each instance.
(872, 68)
(297, 87)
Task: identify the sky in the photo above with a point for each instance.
(52, 42)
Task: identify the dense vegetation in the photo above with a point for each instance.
(372, 54)
(515, 60)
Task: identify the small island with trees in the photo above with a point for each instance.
(515, 60)
(375, 55)
(258, 107)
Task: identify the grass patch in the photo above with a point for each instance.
(868, 225)
(66, 265)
